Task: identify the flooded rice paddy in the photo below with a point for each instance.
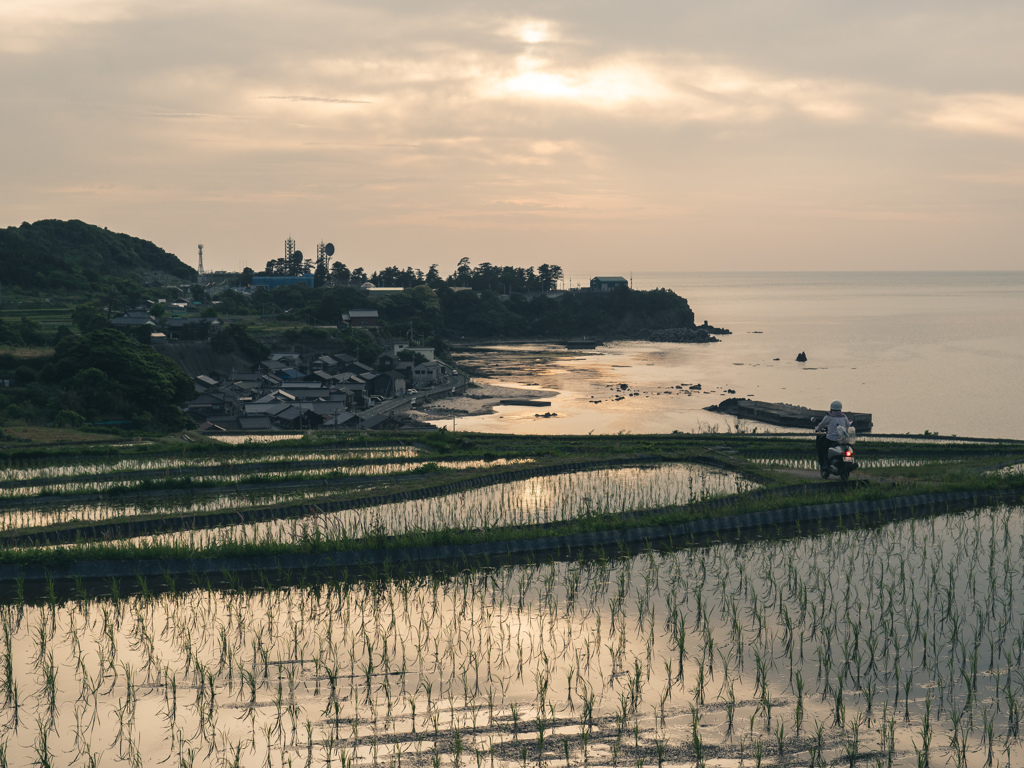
(259, 490)
(42, 474)
(900, 645)
(532, 501)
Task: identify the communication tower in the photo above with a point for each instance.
(289, 249)
(324, 252)
(201, 273)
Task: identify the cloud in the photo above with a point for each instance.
(405, 120)
(991, 113)
(28, 26)
(532, 31)
(321, 99)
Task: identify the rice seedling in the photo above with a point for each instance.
(635, 659)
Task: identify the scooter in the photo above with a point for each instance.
(841, 458)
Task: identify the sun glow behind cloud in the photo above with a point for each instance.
(671, 90)
(533, 31)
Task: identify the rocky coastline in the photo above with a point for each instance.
(698, 335)
(479, 400)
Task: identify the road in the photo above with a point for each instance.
(378, 413)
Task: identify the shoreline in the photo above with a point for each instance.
(699, 334)
(479, 399)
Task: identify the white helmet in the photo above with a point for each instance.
(836, 405)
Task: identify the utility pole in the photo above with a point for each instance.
(201, 273)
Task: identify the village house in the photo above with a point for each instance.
(133, 318)
(361, 318)
(291, 391)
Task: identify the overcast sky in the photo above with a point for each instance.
(606, 137)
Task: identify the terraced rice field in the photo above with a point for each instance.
(900, 645)
(894, 644)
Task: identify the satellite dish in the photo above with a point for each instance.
(329, 249)
(297, 255)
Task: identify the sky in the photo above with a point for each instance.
(606, 137)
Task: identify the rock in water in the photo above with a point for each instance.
(801, 358)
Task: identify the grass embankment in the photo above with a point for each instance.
(940, 469)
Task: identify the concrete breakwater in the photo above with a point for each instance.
(783, 414)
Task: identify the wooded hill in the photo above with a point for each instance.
(72, 256)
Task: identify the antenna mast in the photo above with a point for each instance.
(324, 252)
(201, 273)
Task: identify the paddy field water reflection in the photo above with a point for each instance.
(897, 645)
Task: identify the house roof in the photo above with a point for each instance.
(211, 398)
(358, 367)
(254, 409)
(181, 322)
(337, 420)
(147, 320)
(290, 413)
(250, 423)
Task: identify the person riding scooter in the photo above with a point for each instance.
(828, 433)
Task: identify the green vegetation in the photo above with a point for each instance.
(72, 257)
(435, 313)
(100, 377)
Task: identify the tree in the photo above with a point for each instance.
(236, 337)
(320, 276)
(89, 317)
(555, 274)
(544, 276)
(135, 380)
(340, 272)
(462, 272)
(31, 332)
(433, 276)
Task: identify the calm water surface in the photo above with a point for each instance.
(921, 351)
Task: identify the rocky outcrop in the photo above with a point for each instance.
(678, 335)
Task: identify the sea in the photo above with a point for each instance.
(938, 352)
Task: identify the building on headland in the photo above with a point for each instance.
(608, 283)
(373, 290)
